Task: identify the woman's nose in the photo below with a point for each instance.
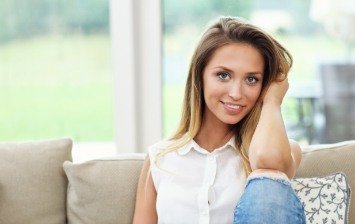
(235, 91)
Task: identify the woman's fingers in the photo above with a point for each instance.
(276, 91)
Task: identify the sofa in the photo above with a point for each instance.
(39, 183)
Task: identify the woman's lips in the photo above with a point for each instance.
(231, 108)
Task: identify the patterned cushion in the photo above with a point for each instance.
(325, 199)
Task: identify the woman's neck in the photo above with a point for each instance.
(213, 135)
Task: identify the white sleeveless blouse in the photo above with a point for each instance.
(196, 186)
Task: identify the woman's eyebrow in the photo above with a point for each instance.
(224, 68)
(231, 71)
(255, 73)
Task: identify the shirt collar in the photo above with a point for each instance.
(193, 145)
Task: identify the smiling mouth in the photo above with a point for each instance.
(232, 105)
(232, 108)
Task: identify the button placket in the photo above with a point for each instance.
(211, 178)
(205, 197)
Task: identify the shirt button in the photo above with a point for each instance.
(210, 159)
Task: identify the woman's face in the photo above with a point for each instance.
(232, 82)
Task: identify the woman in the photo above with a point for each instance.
(230, 159)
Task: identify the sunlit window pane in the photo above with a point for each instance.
(55, 72)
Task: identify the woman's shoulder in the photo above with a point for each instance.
(167, 145)
(160, 146)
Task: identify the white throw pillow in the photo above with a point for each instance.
(325, 199)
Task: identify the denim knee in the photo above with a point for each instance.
(269, 200)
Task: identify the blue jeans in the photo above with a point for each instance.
(269, 201)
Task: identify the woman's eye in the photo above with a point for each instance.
(223, 75)
(252, 80)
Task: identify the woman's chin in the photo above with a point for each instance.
(231, 121)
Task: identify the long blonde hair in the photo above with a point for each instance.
(227, 30)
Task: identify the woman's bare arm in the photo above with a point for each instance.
(270, 147)
(145, 209)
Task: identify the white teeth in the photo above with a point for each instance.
(233, 106)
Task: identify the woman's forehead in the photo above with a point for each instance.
(237, 56)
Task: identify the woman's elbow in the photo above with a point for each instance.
(271, 161)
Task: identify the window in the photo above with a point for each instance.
(295, 24)
(55, 70)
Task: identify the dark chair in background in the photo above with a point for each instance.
(338, 81)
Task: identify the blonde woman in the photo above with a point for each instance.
(230, 160)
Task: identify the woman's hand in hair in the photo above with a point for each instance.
(276, 92)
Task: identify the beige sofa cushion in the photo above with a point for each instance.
(32, 182)
(103, 191)
(321, 160)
